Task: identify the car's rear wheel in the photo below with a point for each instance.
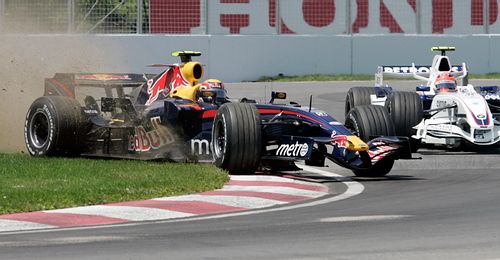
(406, 111)
(367, 122)
(237, 138)
(53, 127)
(358, 96)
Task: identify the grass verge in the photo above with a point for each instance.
(348, 77)
(33, 183)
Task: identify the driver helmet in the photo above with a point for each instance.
(445, 83)
(212, 83)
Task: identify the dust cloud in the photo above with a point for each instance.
(25, 60)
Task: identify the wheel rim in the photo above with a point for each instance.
(219, 139)
(39, 129)
(351, 127)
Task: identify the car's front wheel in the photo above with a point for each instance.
(237, 138)
(368, 122)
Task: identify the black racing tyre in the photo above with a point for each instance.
(406, 111)
(380, 169)
(53, 127)
(358, 96)
(237, 138)
(367, 122)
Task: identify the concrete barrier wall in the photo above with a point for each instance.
(476, 51)
(236, 58)
(26, 60)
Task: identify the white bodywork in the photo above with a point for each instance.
(454, 116)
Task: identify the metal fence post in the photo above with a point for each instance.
(207, 13)
(418, 17)
(71, 16)
(2, 13)
(277, 18)
(486, 16)
(139, 17)
(348, 18)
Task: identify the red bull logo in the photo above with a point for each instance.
(143, 141)
(178, 79)
(340, 140)
(162, 84)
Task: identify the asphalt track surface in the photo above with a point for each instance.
(444, 206)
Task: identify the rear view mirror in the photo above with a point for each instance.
(423, 88)
(277, 95)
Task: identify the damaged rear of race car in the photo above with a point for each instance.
(94, 115)
(175, 116)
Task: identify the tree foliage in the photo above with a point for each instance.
(55, 16)
(110, 16)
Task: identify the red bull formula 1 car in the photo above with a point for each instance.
(175, 116)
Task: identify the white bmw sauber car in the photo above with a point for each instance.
(440, 112)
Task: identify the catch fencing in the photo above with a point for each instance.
(250, 17)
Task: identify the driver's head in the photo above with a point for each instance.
(212, 90)
(445, 82)
(212, 83)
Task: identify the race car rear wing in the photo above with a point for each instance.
(420, 72)
(64, 84)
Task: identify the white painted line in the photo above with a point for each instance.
(234, 201)
(363, 218)
(353, 187)
(271, 178)
(15, 225)
(274, 189)
(124, 212)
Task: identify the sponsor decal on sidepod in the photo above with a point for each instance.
(200, 145)
(293, 150)
(143, 140)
